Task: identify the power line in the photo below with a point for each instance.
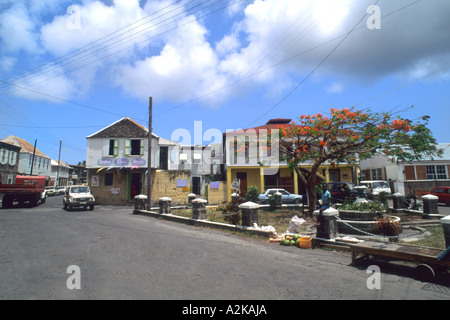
(248, 76)
(85, 54)
(85, 47)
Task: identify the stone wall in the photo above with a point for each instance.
(217, 195)
(165, 185)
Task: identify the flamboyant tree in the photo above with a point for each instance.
(350, 135)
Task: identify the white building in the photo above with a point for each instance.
(60, 174)
(409, 177)
(39, 165)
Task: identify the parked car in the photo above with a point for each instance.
(286, 197)
(78, 196)
(61, 190)
(342, 191)
(50, 191)
(443, 193)
(375, 187)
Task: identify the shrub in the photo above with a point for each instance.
(231, 212)
(388, 227)
(252, 194)
(373, 207)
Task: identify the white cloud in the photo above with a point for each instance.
(335, 87)
(17, 30)
(7, 63)
(45, 87)
(268, 43)
(186, 68)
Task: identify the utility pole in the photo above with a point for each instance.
(59, 161)
(32, 160)
(149, 161)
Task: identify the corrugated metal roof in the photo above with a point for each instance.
(25, 146)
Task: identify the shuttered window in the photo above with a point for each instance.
(410, 173)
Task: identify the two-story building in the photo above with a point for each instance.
(60, 174)
(407, 178)
(117, 165)
(31, 161)
(252, 158)
(9, 164)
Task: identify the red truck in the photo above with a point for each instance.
(28, 189)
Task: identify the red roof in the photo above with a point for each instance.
(270, 125)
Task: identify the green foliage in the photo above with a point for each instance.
(350, 135)
(231, 211)
(274, 202)
(370, 206)
(252, 194)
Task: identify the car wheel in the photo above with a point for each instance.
(297, 201)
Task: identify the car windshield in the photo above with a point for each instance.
(80, 190)
(380, 185)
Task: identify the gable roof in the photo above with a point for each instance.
(25, 146)
(123, 128)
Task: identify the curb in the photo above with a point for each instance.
(203, 223)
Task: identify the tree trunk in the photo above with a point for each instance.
(310, 187)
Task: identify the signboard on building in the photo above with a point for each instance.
(182, 183)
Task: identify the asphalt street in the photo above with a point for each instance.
(124, 256)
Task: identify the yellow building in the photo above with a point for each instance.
(253, 164)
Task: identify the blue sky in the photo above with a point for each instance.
(70, 68)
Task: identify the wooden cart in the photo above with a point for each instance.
(430, 260)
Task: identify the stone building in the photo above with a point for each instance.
(117, 165)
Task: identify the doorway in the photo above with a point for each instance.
(196, 185)
(135, 186)
(242, 176)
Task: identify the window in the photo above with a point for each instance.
(436, 172)
(4, 156)
(12, 158)
(376, 174)
(109, 179)
(134, 147)
(197, 158)
(113, 147)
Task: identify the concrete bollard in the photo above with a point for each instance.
(430, 204)
(278, 197)
(249, 213)
(164, 205)
(199, 209)
(140, 202)
(446, 226)
(327, 224)
(398, 201)
(234, 197)
(191, 197)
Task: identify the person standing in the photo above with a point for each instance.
(326, 201)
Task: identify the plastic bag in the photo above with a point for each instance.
(295, 224)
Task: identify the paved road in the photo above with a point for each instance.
(125, 256)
